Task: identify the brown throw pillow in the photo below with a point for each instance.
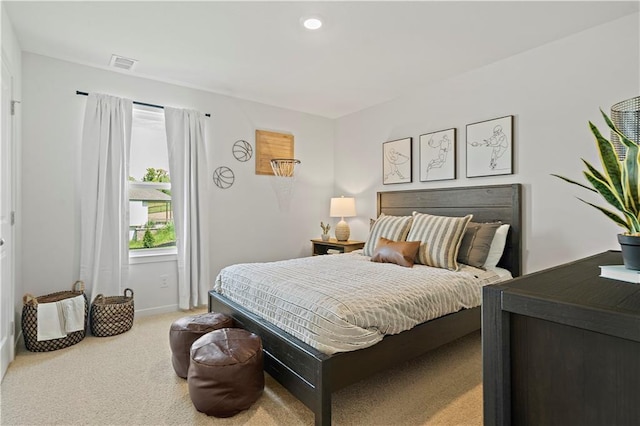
(476, 243)
(401, 253)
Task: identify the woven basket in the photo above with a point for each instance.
(112, 315)
(30, 320)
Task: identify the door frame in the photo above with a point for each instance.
(7, 289)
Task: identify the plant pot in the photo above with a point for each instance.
(325, 237)
(630, 246)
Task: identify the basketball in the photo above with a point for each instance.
(242, 150)
(223, 177)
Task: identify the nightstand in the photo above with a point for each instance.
(321, 247)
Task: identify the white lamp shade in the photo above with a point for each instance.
(342, 207)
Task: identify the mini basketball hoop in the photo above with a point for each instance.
(283, 169)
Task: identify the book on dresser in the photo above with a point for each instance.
(619, 272)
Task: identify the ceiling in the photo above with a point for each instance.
(365, 54)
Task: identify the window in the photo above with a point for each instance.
(150, 216)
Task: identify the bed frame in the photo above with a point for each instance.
(312, 376)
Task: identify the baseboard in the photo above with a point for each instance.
(157, 310)
(17, 343)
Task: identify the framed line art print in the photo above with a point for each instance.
(396, 161)
(438, 155)
(490, 147)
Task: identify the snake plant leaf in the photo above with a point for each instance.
(573, 182)
(618, 183)
(635, 225)
(609, 195)
(631, 163)
(627, 191)
(609, 214)
(609, 159)
(594, 171)
(631, 181)
(633, 169)
(632, 219)
(606, 191)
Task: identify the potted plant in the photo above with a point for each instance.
(325, 231)
(618, 186)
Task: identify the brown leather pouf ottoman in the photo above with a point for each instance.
(225, 374)
(187, 330)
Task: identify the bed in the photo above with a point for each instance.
(312, 375)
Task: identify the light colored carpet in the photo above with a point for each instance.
(128, 379)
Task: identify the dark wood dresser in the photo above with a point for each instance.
(562, 347)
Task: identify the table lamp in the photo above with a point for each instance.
(342, 207)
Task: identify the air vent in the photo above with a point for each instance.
(122, 62)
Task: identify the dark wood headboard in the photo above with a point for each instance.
(488, 203)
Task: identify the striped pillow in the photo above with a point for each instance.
(394, 228)
(440, 238)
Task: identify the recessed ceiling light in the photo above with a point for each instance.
(312, 23)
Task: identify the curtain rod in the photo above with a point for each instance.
(135, 102)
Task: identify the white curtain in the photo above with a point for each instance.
(189, 180)
(106, 141)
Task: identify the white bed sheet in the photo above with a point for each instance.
(345, 302)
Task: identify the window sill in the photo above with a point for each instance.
(153, 255)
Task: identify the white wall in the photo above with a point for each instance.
(553, 91)
(12, 56)
(246, 222)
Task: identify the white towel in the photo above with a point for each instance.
(73, 312)
(50, 321)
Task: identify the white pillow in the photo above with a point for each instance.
(497, 246)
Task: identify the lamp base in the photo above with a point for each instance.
(342, 231)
